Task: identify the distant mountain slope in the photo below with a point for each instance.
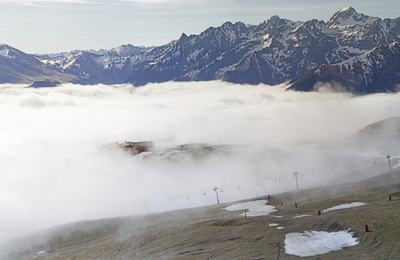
(273, 52)
(377, 70)
(19, 67)
(387, 129)
(123, 50)
(128, 50)
(382, 136)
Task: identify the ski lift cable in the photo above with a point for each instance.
(280, 176)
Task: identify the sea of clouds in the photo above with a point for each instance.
(53, 172)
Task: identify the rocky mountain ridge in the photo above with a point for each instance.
(19, 67)
(123, 50)
(273, 52)
(375, 71)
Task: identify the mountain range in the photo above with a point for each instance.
(351, 52)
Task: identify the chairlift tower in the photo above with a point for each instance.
(297, 184)
(390, 167)
(216, 192)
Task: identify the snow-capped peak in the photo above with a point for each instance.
(343, 15)
(349, 10)
(127, 50)
(349, 17)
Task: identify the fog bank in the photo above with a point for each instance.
(52, 171)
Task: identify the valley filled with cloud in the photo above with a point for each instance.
(53, 171)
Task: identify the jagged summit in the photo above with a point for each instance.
(348, 11)
(127, 50)
(275, 51)
(341, 16)
(349, 17)
(274, 18)
(183, 37)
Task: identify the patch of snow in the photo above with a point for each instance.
(355, 20)
(280, 227)
(69, 61)
(177, 53)
(346, 206)
(278, 216)
(109, 59)
(223, 70)
(5, 52)
(267, 43)
(256, 208)
(273, 225)
(194, 54)
(41, 252)
(317, 71)
(300, 216)
(311, 243)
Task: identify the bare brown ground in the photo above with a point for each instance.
(213, 233)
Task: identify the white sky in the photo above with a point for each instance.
(45, 26)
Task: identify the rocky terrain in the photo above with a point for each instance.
(375, 71)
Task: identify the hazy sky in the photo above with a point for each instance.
(45, 26)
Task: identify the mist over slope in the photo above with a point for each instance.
(53, 171)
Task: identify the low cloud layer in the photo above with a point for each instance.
(52, 171)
